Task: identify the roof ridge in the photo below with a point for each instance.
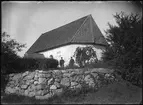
(91, 28)
(101, 36)
(78, 29)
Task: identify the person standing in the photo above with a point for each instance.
(71, 63)
(62, 62)
(51, 56)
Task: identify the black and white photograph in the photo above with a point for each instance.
(71, 52)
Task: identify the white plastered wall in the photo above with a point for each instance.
(68, 51)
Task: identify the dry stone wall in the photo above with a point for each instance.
(45, 84)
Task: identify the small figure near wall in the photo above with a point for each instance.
(71, 63)
(51, 56)
(62, 62)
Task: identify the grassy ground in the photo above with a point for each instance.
(116, 93)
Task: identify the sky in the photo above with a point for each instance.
(26, 21)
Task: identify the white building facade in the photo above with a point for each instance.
(68, 51)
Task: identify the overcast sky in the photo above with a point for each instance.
(26, 21)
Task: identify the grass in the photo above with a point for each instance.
(18, 99)
(117, 93)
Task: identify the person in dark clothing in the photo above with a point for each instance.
(51, 56)
(62, 62)
(71, 63)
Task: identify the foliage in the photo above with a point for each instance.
(135, 77)
(31, 64)
(83, 54)
(125, 50)
(126, 40)
(10, 45)
(73, 67)
(9, 49)
(100, 65)
(11, 62)
(51, 63)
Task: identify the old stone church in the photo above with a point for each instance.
(63, 41)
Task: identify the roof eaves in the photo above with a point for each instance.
(33, 44)
(69, 44)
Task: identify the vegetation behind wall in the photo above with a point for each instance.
(125, 50)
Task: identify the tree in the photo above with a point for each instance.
(125, 40)
(9, 49)
(83, 54)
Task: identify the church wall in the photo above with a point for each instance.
(68, 51)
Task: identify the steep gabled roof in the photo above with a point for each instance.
(83, 30)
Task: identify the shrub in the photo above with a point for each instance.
(83, 54)
(44, 64)
(49, 63)
(73, 67)
(30, 64)
(9, 49)
(125, 50)
(99, 65)
(135, 77)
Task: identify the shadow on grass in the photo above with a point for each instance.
(21, 100)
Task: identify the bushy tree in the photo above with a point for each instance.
(125, 38)
(83, 54)
(9, 49)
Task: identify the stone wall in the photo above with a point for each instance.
(45, 84)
